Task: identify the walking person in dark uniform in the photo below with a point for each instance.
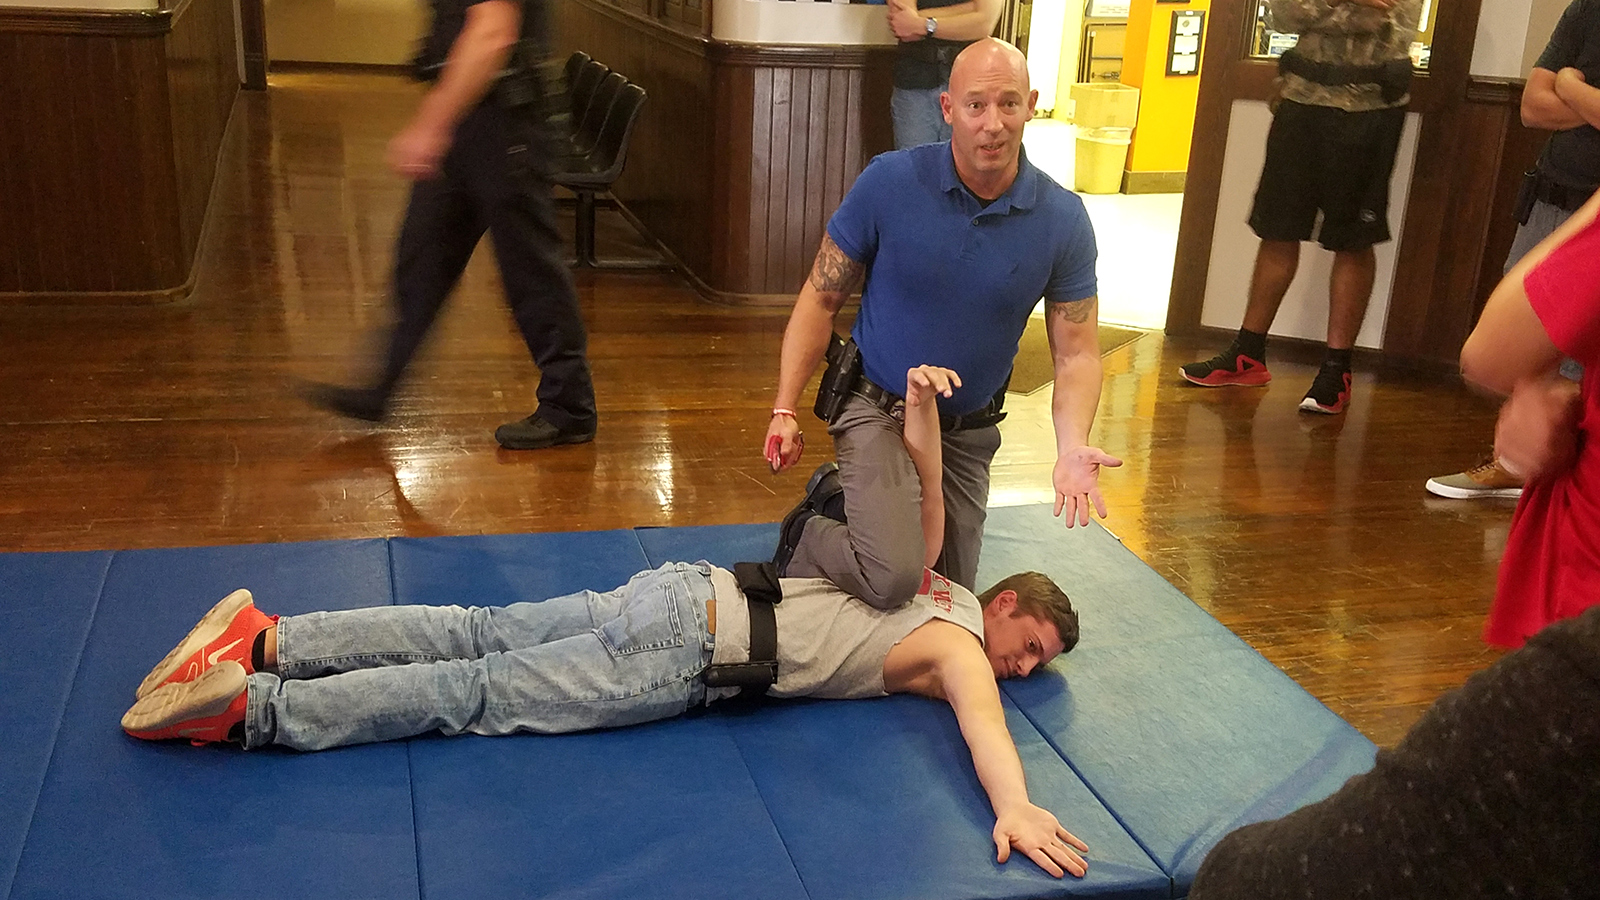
(477, 153)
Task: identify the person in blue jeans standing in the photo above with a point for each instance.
(931, 33)
(635, 654)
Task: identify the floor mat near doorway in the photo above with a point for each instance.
(1034, 369)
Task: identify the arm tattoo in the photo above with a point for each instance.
(1076, 311)
(834, 272)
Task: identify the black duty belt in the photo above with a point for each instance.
(887, 400)
(1566, 197)
(759, 584)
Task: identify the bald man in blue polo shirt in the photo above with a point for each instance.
(951, 245)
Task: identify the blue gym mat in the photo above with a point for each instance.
(1156, 736)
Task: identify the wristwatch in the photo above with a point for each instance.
(933, 25)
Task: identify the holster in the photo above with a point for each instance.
(1527, 195)
(839, 379)
(520, 94)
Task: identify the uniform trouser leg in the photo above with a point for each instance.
(966, 456)
(1495, 792)
(437, 237)
(587, 660)
(878, 556)
(520, 213)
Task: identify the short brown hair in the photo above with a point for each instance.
(1038, 596)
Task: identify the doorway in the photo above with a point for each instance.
(1087, 42)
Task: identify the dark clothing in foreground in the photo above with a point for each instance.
(1495, 792)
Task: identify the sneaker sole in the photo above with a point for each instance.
(1310, 405)
(206, 697)
(1454, 493)
(553, 442)
(1250, 380)
(209, 628)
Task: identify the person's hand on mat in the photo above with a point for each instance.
(1537, 435)
(784, 442)
(1077, 483)
(924, 383)
(1037, 834)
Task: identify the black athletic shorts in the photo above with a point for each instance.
(1326, 161)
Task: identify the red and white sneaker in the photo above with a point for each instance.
(1226, 368)
(228, 631)
(207, 710)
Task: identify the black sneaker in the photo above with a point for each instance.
(824, 491)
(366, 404)
(1330, 391)
(534, 433)
(1226, 368)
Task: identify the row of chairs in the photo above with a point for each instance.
(601, 108)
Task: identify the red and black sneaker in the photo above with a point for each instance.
(208, 710)
(228, 631)
(1228, 367)
(1330, 391)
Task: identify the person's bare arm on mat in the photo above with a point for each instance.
(945, 661)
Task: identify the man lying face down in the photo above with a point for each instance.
(635, 654)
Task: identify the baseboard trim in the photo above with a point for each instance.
(1153, 182)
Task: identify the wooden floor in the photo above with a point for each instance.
(1311, 537)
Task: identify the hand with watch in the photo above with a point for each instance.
(907, 23)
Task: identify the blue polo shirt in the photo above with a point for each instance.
(951, 282)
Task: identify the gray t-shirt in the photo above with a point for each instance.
(831, 644)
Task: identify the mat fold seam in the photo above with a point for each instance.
(55, 733)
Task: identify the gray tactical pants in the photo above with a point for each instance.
(878, 555)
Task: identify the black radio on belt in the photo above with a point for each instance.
(759, 584)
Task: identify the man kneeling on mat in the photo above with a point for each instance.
(648, 650)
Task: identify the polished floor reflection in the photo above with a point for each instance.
(125, 427)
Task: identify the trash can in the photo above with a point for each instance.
(1102, 152)
(1105, 105)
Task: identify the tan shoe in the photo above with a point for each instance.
(1484, 480)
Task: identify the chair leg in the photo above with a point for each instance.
(586, 202)
(584, 231)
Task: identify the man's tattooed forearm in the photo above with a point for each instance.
(834, 272)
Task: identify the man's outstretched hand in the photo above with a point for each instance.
(1077, 483)
(1036, 833)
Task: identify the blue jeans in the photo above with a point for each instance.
(917, 117)
(586, 660)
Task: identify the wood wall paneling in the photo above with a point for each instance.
(87, 121)
(1460, 225)
(743, 151)
(111, 123)
(203, 80)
